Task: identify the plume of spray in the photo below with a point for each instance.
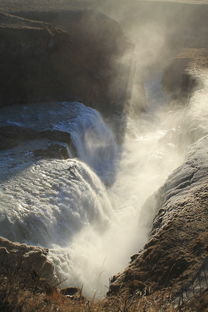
(149, 154)
(151, 150)
(158, 134)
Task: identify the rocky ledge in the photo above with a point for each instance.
(27, 264)
(25, 272)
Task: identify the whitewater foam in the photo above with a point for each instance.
(48, 202)
(94, 141)
(92, 231)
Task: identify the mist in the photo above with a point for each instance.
(154, 146)
(158, 132)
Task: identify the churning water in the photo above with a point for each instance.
(93, 230)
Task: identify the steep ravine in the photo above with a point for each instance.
(173, 258)
(116, 199)
(173, 263)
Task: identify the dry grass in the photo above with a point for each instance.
(15, 298)
(28, 294)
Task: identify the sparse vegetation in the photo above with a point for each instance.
(14, 296)
(171, 273)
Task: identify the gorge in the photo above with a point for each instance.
(103, 152)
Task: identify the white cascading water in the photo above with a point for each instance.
(50, 201)
(155, 144)
(62, 204)
(94, 141)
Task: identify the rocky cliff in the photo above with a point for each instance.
(76, 58)
(175, 258)
(25, 272)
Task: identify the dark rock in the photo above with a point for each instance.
(70, 291)
(53, 151)
(11, 136)
(41, 61)
(177, 80)
(56, 135)
(73, 293)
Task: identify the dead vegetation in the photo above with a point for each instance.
(15, 297)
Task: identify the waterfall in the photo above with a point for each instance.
(94, 141)
(50, 201)
(154, 146)
(64, 205)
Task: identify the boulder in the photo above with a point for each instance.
(26, 264)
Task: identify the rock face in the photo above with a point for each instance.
(41, 61)
(11, 136)
(29, 265)
(178, 78)
(27, 279)
(177, 249)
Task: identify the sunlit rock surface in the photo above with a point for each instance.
(28, 264)
(178, 246)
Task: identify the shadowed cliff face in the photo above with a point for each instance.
(179, 79)
(72, 61)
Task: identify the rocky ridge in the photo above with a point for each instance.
(177, 249)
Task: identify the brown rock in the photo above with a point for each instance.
(26, 264)
(176, 255)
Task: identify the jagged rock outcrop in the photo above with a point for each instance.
(11, 136)
(178, 244)
(75, 60)
(27, 279)
(26, 264)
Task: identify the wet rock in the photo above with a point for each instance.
(11, 136)
(53, 151)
